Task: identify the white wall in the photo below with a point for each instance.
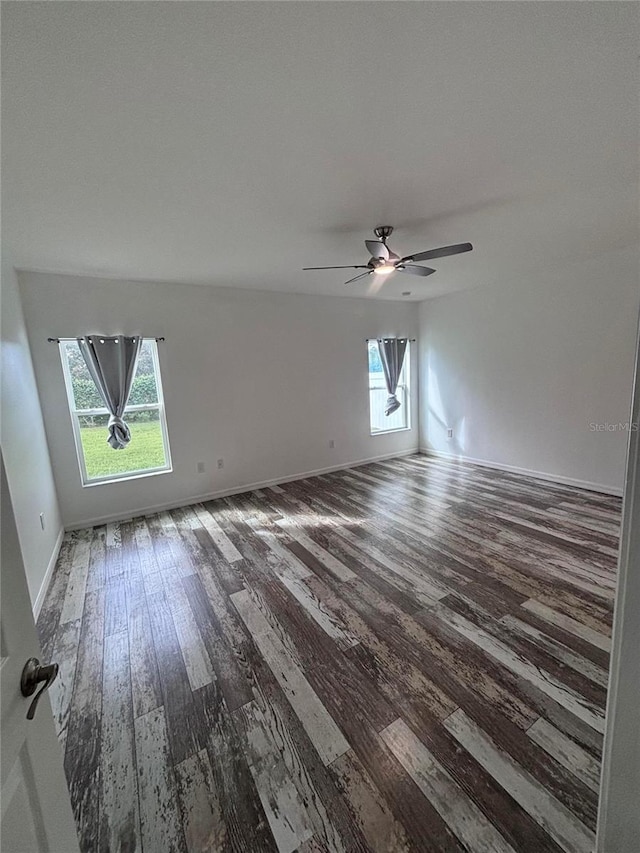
(519, 370)
(263, 380)
(24, 444)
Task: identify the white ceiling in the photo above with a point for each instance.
(234, 143)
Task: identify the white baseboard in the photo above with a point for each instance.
(235, 490)
(527, 472)
(46, 580)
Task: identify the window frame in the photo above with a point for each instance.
(143, 407)
(406, 388)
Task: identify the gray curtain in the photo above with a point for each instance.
(392, 352)
(112, 365)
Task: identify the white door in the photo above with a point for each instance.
(619, 814)
(36, 811)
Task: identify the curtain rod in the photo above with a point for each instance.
(57, 340)
(389, 337)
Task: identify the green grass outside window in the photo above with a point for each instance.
(144, 451)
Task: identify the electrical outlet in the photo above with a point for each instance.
(220, 463)
(42, 520)
(332, 443)
(449, 433)
(200, 467)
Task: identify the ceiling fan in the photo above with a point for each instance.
(383, 261)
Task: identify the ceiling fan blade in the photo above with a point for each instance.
(377, 249)
(416, 270)
(348, 267)
(362, 275)
(440, 253)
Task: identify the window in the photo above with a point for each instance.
(400, 419)
(148, 450)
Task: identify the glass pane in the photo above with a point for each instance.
(144, 389)
(375, 365)
(378, 394)
(145, 450)
(85, 393)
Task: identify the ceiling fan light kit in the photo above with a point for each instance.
(383, 261)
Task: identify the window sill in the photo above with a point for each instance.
(387, 431)
(125, 478)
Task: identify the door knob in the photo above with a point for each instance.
(32, 675)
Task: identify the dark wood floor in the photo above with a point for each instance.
(410, 655)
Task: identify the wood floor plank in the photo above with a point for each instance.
(329, 623)
(290, 556)
(357, 718)
(65, 652)
(116, 614)
(390, 585)
(201, 813)
(177, 696)
(160, 817)
(144, 544)
(462, 815)
(423, 823)
(545, 809)
(424, 590)
(333, 565)
(546, 533)
(130, 558)
(522, 646)
(371, 811)
(566, 697)
(321, 728)
(227, 573)
(280, 799)
(200, 670)
(566, 752)
(463, 672)
(328, 812)
(218, 536)
(511, 821)
(119, 815)
(564, 654)
(246, 825)
(230, 669)
(390, 548)
(513, 741)
(97, 570)
(165, 557)
(350, 698)
(76, 587)
(113, 543)
(455, 669)
(84, 740)
(560, 635)
(50, 612)
(145, 680)
(396, 676)
(597, 639)
(181, 558)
